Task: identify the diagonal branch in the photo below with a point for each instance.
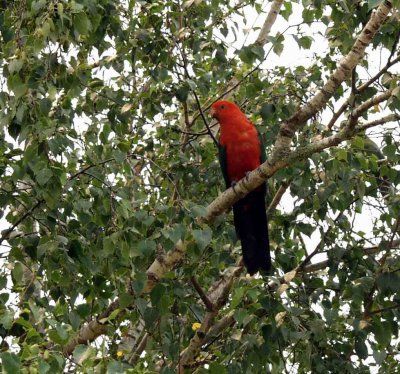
(362, 108)
(346, 65)
(269, 21)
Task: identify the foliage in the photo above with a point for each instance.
(106, 164)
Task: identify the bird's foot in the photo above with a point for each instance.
(233, 184)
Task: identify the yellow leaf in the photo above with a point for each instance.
(279, 318)
(196, 326)
(289, 276)
(126, 108)
(376, 108)
(282, 288)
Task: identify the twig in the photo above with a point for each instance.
(278, 196)
(204, 119)
(362, 108)
(7, 232)
(207, 302)
(378, 311)
(197, 98)
(140, 348)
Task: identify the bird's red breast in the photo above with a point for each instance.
(240, 137)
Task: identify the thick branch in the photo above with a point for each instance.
(270, 20)
(346, 65)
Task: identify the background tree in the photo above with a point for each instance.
(118, 253)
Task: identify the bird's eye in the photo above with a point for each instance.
(222, 106)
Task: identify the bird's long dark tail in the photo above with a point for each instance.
(251, 225)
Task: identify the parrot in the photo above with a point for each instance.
(241, 150)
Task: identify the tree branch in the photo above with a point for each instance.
(5, 233)
(346, 65)
(362, 108)
(269, 21)
(278, 196)
(209, 305)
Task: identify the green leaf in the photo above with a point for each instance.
(147, 247)
(82, 353)
(267, 110)
(18, 273)
(382, 332)
(341, 154)
(278, 45)
(16, 85)
(216, 368)
(125, 299)
(199, 210)
(379, 356)
(117, 367)
(76, 7)
(14, 66)
(44, 367)
(287, 11)
(305, 42)
(182, 93)
(10, 362)
(202, 238)
(82, 23)
(38, 5)
(43, 176)
(361, 348)
(389, 282)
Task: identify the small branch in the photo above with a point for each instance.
(337, 114)
(184, 58)
(204, 119)
(139, 350)
(312, 268)
(380, 121)
(396, 306)
(209, 305)
(362, 108)
(86, 168)
(278, 196)
(7, 232)
(379, 74)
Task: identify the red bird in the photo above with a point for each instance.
(241, 150)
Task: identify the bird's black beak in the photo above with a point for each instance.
(213, 113)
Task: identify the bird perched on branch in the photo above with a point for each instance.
(241, 150)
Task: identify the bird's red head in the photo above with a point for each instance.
(224, 110)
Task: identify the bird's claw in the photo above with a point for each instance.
(233, 184)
